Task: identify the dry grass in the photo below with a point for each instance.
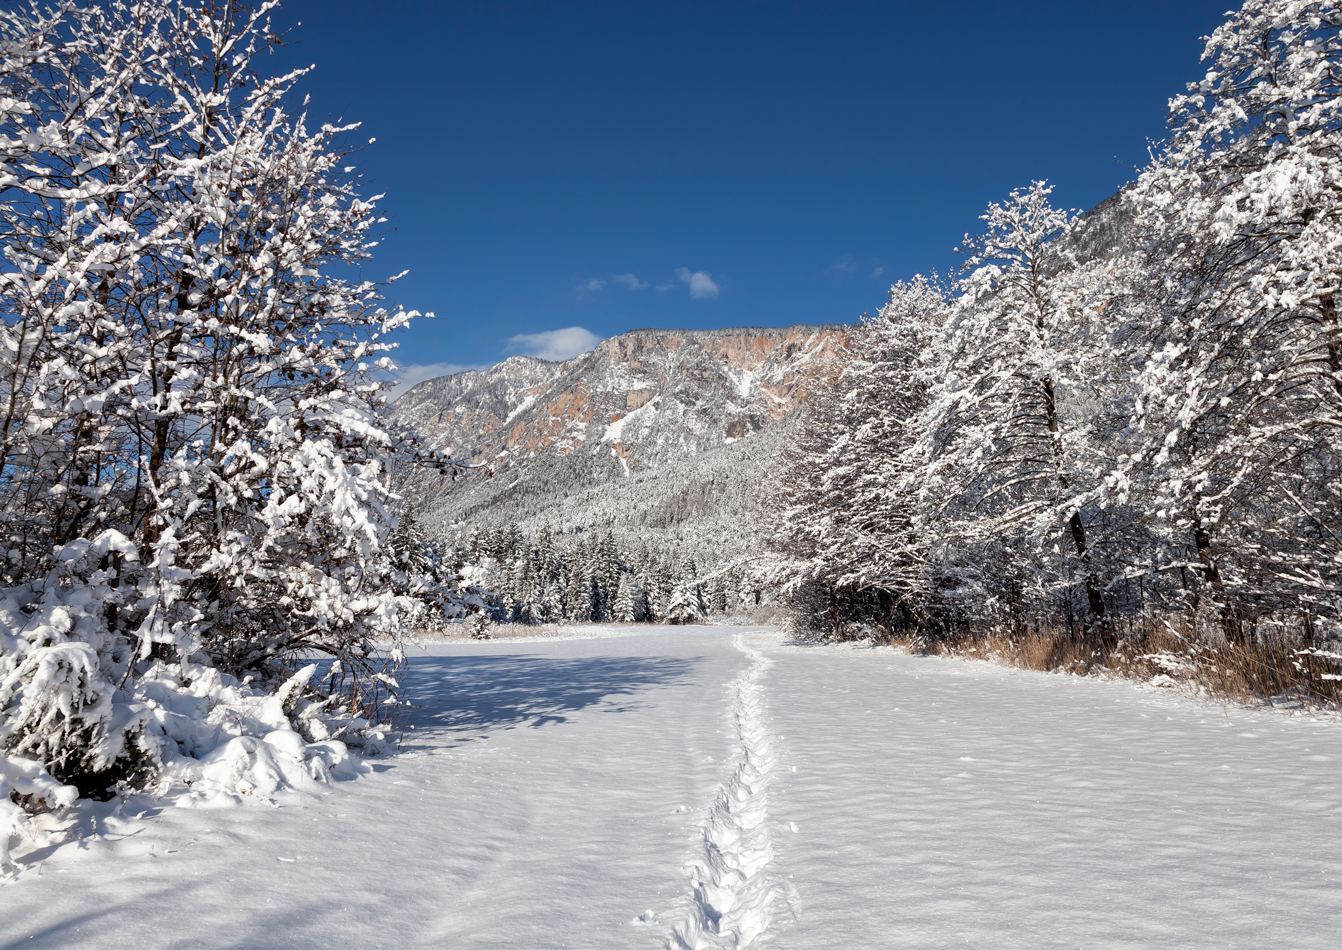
(1277, 670)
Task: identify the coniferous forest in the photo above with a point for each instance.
(547, 579)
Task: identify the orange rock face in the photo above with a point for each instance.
(636, 399)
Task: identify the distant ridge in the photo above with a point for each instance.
(655, 434)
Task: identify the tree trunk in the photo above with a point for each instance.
(158, 449)
(1332, 330)
(1094, 597)
(1202, 541)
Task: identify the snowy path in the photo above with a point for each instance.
(553, 793)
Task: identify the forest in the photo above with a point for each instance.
(590, 579)
(1114, 438)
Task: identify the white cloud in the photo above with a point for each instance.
(878, 272)
(591, 286)
(630, 281)
(701, 283)
(663, 288)
(412, 373)
(845, 266)
(553, 344)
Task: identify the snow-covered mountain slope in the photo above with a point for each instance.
(671, 421)
(467, 407)
(710, 787)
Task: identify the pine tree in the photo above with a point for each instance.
(717, 596)
(630, 601)
(552, 604)
(686, 605)
(578, 592)
(663, 586)
(407, 543)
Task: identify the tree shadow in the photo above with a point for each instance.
(468, 694)
(67, 932)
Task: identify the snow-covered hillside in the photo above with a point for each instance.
(681, 414)
(711, 787)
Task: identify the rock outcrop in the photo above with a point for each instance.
(621, 431)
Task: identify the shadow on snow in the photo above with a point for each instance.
(472, 693)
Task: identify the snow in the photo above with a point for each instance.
(957, 802)
(744, 379)
(641, 418)
(632, 788)
(521, 407)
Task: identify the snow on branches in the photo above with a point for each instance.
(547, 578)
(1006, 426)
(1134, 410)
(846, 500)
(194, 490)
(1232, 304)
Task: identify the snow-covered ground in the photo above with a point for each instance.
(650, 787)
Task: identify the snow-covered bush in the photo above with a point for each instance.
(194, 458)
(60, 666)
(26, 790)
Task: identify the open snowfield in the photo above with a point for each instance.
(652, 786)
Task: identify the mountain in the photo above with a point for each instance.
(661, 436)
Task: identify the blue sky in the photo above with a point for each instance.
(609, 166)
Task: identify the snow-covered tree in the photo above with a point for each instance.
(630, 602)
(408, 543)
(1233, 319)
(193, 457)
(1006, 441)
(716, 596)
(847, 502)
(660, 583)
(1126, 412)
(686, 604)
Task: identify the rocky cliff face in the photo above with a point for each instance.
(655, 410)
(464, 410)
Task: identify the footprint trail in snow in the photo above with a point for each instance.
(734, 894)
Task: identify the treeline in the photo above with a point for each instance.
(1112, 425)
(550, 578)
(706, 505)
